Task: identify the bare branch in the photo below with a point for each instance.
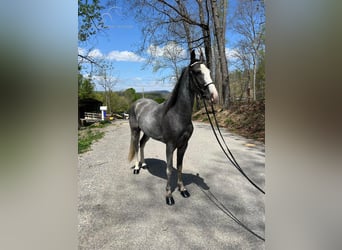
(89, 59)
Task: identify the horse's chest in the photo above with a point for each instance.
(185, 136)
(179, 134)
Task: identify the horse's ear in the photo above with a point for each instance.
(201, 55)
(192, 56)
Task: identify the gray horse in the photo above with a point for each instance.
(170, 122)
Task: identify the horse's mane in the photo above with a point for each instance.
(170, 102)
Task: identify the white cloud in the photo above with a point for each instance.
(155, 50)
(99, 78)
(231, 54)
(96, 53)
(124, 56)
(115, 55)
(81, 51)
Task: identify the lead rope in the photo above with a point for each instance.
(226, 211)
(231, 157)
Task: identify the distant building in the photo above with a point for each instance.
(87, 105)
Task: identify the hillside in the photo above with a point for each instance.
(155, 95)
(247, 120)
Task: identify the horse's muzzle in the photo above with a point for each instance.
(213, 93)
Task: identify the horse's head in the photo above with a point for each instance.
(201, 79)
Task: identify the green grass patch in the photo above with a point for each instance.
(100, 124)
(228, 121)
(86, 138)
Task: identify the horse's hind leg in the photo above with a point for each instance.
(143, 141)
(135, 134)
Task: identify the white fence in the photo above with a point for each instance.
(88, 116)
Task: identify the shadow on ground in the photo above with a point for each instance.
(157, 168)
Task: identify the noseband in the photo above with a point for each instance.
(197, 87)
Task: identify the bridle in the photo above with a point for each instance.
(197, 87)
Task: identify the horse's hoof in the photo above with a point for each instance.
(170, 201)
(185, 193)
(136, 171)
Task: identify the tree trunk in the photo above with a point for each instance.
(219, 33)
(248, 86)
(218, 74)
(254, 80)
(205, 32)
(186, 25)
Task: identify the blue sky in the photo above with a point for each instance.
(118, 45)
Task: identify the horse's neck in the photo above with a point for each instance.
(185, 99)
(182, 99)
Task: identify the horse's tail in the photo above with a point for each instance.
(131, 152)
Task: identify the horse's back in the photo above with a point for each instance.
(142, 107)
(146, 114)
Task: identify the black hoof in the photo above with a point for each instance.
(185, 193)
(170, 201)
(136, 171)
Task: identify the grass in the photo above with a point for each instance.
(86, 138)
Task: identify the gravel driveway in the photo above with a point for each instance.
(119, 210)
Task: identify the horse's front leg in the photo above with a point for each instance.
(180, 156)
(169, 166)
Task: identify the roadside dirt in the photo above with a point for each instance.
(247, 120)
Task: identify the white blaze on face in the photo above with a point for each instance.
(207, 78)
(206, 74)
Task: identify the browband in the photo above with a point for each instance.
(195, 63)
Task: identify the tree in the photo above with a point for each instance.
(182, 23)
(131, 95)
(85, 87)
(204, 16)
(219, 22)
(89, 19)
(121, 104)
(167, 57)
(189, 24)
(260, 75)
(243, 65)
(90, 22)
(107, 82)
(249, 23)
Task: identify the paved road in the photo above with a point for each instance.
(119, 210)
